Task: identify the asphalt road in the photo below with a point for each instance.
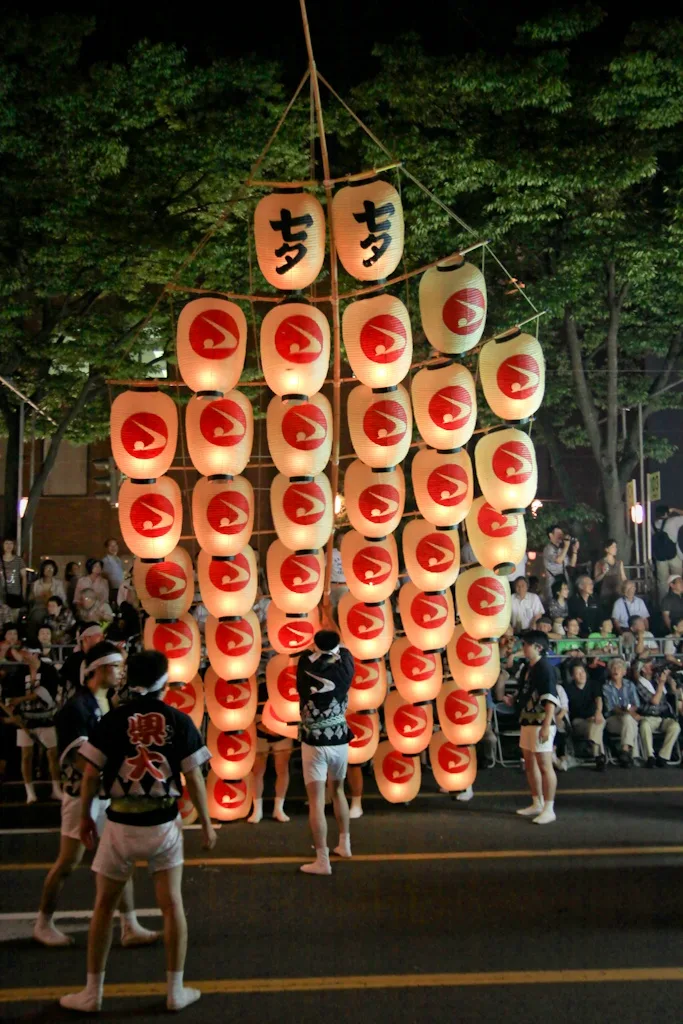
(453, 909)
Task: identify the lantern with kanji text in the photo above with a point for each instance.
(289, 231)
(368, 228)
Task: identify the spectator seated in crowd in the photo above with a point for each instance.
(60, 621)
(558, 608)
(605, 641)
(584, 698)
(93, 580)
(91, 608)
(671, 605)
(638, 640)
(673, 645)
(621, 702)
(657, 716)
(627, 605)
(571, 644)
(527, 608)
(584, 606)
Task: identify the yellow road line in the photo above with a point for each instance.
(378, 858)
(236, 986)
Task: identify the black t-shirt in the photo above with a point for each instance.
(582, 701)
(71, 676)
(323, 684)
(537, 686)
(141, 748)
(75, 724)
(673, 604)
(589, 613)
(38, 712)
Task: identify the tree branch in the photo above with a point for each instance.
(583, 393)
(615, 300)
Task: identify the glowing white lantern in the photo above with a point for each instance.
(234, 645)
(151, 516)
(144, 433)
(368, 686)
(398, 776)
(231, 703)
(498, 540)
(484, 603)
(223, 514)
(232, 753)
(211, 345)
(291, 634)
(299, 434)
(455, 768)
(417, 674)
(370, 566)
(443, 485)
(445, 405)
(381, 425)
(272, 722)
(474, 665)
(462, 715)
(179, 640)
(228, 584)
(432, 556)
(368, 228)
(365, 728)
(229, 800)
(289, 231)
(282, 692)
(375, 498)
(303, 511)
(378, 340)
(453, 306)
(409, 726)
(220, 433)
(295, 578)
(506, 469)
(165, 586)
(188, 698)
(367, 629)
(295, 348)
(428, 619)
(512, 373)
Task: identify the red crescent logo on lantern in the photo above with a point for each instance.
(495, 524)
(486, 596)
(362, 728)
(472, 652)
(461, 708)
(396, 768)
(372, 565)
(286, 684)
(233, 747)
(365, 623)
(230, 577)
(379, 503)
(429, 611)
(152, 515)
(385, 423)
(447, 485)
(451, 407)
(214, 334)
(299, 339)
(223, 423)
(228, 512)
(513, 462)
(435, 552)
(518, 376)
(365, 676)
(304, 503)
(300, 573)
(304, 427)
(383, 338)
(464, 311)
(234, 638)
(410, 720)
(452, 759)
(144, 435)
(232, 695)
(184, 698)
(296, 635)
(230, 795)
(417, 665)
(166, 581)
(173, 639)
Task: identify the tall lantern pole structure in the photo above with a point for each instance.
(334, 298)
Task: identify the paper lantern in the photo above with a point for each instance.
(223, 514)
(367, 629)
(211, 345)
(428, 619)
(295, 348)
(303, 511)
(165, 586)
(498, 540)
(151, 516)
(378, 340)
(484, 603)
(365, 728)
(232, 753)
(231, 703)
(282, 692)
(370, 566)
(375, 498)
(380, 424)
(368, 686)
(443, 485)
(289, 231)
(454, 768)
(417, 674)
(228, 583)
(512, 373)
(291, 634)
(409, 726)
(299, 434)
(189, 698)
(229, 800)
(220, 433)
(234, 645)
(398, 776)
(295, 578)
(272, 722)
(462, 715)
(445, 404)
(453, 306)
(506, 469)
(474, 665)
(144, 431)
(432, 556)
(368, 228)
(186, 809)
(180, 641)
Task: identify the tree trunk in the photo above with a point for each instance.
(615, 511)
(11, 505)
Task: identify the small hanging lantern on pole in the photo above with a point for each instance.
(289, 231)
(211, 345)
(417, 674)
(474, 665)
(443, 485)
(381, 425)
(295, 349)
(375, 499)
(498, 540)
(368, 228)
(223, 514)
(378, 339)
(453, 306)
(370, 566)
(228, 584)
(144, 433)
(220, 433)
(299, 434)
(432, 556)
(445, 404)
(512, 373)
(506, 469)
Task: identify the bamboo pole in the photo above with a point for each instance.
(334, 298)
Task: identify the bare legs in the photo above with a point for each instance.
(355, 777)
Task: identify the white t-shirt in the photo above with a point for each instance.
(623, 610)
(525, 610)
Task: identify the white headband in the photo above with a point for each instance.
(158, 685)
(115, 658)
(91, 631)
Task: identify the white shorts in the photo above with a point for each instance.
(275, 746)
(323, 763)
(122, 845)
(71, 815)
(528, 739)
(47, 735)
